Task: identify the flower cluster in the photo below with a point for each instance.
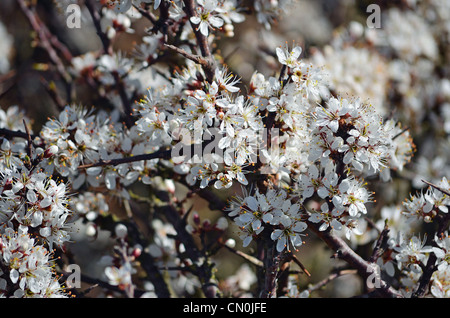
(426, 205)
(274, 210)
(27, 267)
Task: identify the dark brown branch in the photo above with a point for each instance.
(146, 14)
(107, 49)
(272, 261)
(437, 187)
(160, 154)
(14, 134)
(106, 42)
(29, 142)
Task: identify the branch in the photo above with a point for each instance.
(249, 258)
(204, 270)
(106, 42)
(330, 278)
(380, 245)
(196, 58)
(14, 134)
(437, 187)
(98, 282)
(160, 154)
(46, 40)
(202, 41)
(431, 267)
(29, 142)
(345, 253)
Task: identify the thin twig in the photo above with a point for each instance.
(249, 258)
(330, 278)
(400, 133)
(51, 90)
(297, 261)
(45, 42)
(437, 187)
(95, 15)
(380, 244)
(196, 58)
(29, 142)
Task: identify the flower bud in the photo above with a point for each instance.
(51, 151)
(121, 231)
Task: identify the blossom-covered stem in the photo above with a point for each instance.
(122, 250)
(431, 267)
(202, 41)
(347, 254)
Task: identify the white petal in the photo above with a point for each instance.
(315, 218)
(281, 244)
(216, 21)
(281, 56)
(247, 241)
(14, 276)
(195, 20)
(204, 28)
(252, 203)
